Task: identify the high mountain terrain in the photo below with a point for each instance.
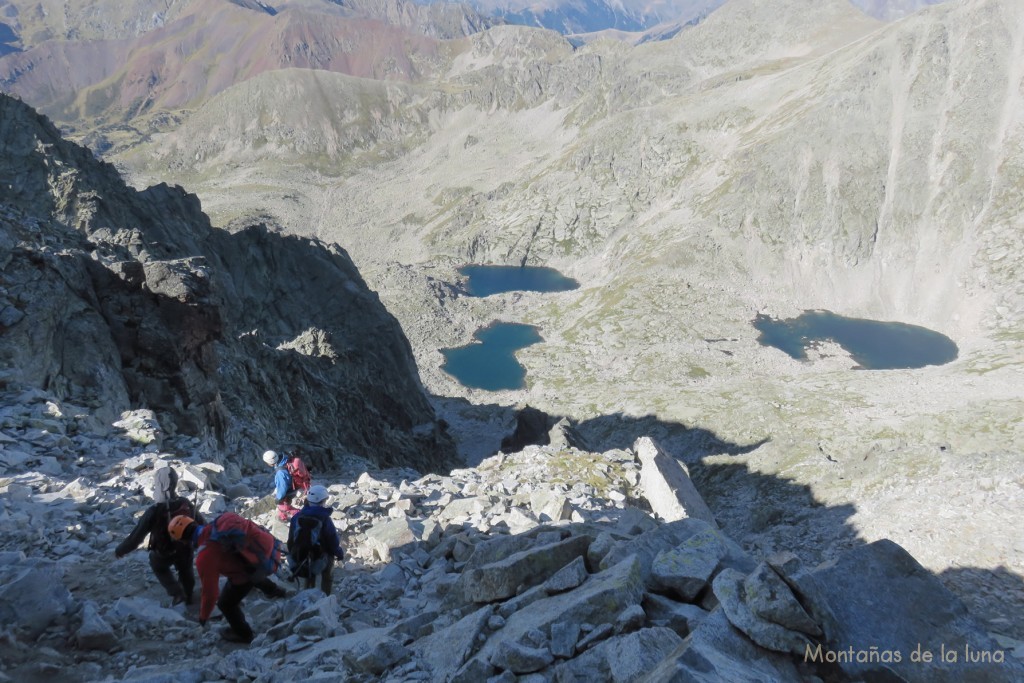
(780, 155)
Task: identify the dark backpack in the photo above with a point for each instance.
(256, 546)
(159, 539)
(301, 478)
(306, 556)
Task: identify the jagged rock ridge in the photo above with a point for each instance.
(117, 298)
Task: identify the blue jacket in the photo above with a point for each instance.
(328, 532)
(283, 488)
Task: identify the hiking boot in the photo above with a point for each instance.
(279, 593)
(229, 635)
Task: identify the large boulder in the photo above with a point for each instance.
(94, 633)
(447, 649)
(667, 486)
(894, 616)
(729, 589)
(717, 652)
(32, 595)
(692, 534)
(620, 659)
(604, 596)
(503, 579)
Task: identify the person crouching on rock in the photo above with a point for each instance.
(284, 487)
(164, 551)
(214, 561)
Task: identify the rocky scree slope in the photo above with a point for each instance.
(115, 298)
(551, 564)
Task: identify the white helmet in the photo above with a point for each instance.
(317, 495)
(270, 457)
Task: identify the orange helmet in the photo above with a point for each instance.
(176, 527)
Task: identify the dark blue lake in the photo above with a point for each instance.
(487, 280)
(489, 363)
(873, 344)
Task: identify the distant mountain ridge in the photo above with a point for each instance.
(186, 57)
(640, 16)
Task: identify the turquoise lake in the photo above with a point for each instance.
(874, 345)
(490, 363)
(487, 280)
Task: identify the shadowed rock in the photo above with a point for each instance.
(503, 579)
(883, 598)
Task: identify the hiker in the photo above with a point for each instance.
(313, 541)
(165, 552)
(290, 478)
(244, 553)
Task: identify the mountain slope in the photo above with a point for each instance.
(116, 298)
(210, 46)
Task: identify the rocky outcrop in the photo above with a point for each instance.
(885, 603)
(666, 484)
(115, 298)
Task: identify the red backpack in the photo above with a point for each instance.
(301, 479)
(254, 544)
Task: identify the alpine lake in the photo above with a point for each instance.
(490, 363)
(872, 344)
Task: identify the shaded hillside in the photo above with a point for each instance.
(116, 298)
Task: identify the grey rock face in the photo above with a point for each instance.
(678, 534)
(94, 633)
(32, 595)
(502, 579)
(686, 569)
(568, 577)
(718, 652)
(622, 658)
(729, 589)
(681, 617)
(133, 299)
(521, 659)
(446, 651)
(609, 591)
(768, 597)
(881, 595)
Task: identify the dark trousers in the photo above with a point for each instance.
(230, 602)
(184, 584)
(326, 579)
